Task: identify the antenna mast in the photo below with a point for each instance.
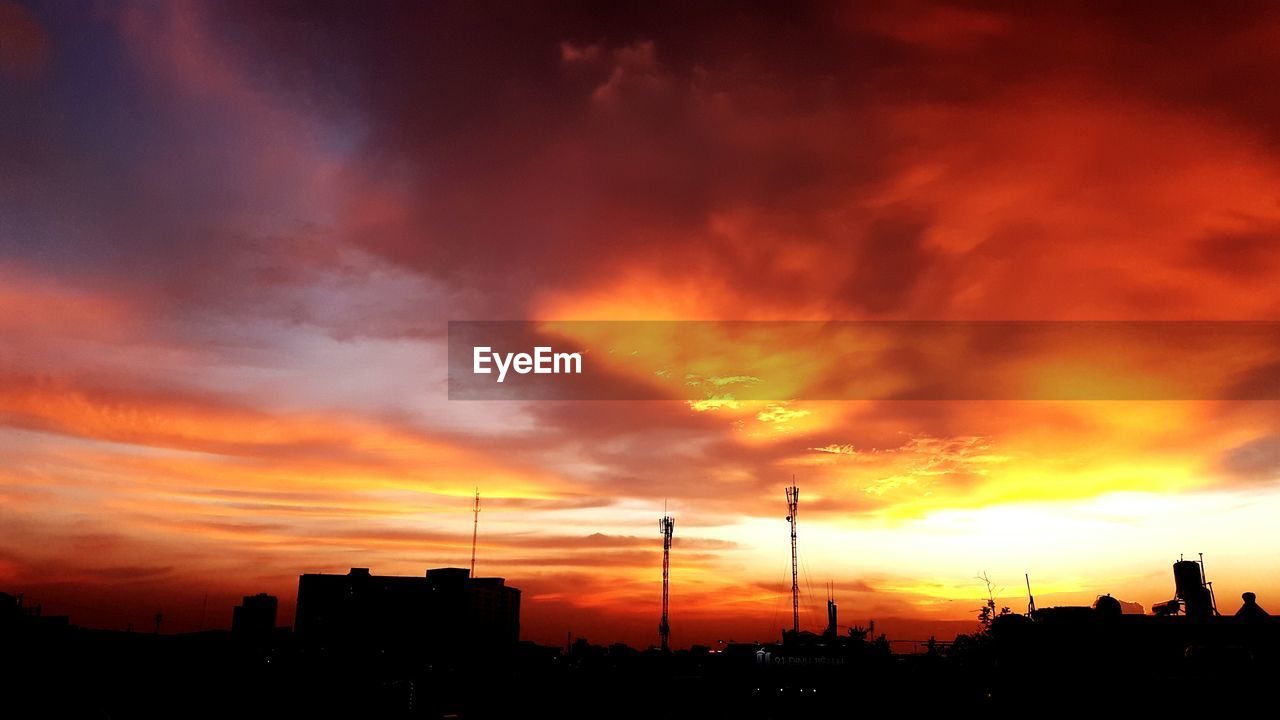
(1213, 601)
(475, 529)
(666, 526)
(793, 499)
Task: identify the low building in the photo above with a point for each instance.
(254, 620)
(444, 613)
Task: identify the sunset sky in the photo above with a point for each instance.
(232, 236)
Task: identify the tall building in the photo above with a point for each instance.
(445, 613)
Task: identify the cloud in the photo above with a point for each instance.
(1244, 254)
(231, 235)
(24, 45)
(1253, 462)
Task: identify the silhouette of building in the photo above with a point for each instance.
(445, 613)
(254, 620)
(15, 614)
(1250, 609)
(1186, 649)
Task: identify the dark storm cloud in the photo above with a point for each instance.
(558, 143)
(1241, 254)
(511, 150)
(891, 260)
(595, 135)
(24, 46)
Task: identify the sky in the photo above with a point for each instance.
(232, 236)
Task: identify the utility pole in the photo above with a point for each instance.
(666, 526)
(475, 529)
(832, 624)
(793, 500)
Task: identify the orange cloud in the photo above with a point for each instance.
(227, 265)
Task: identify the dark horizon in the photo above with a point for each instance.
(445, 645)
(217, 617)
